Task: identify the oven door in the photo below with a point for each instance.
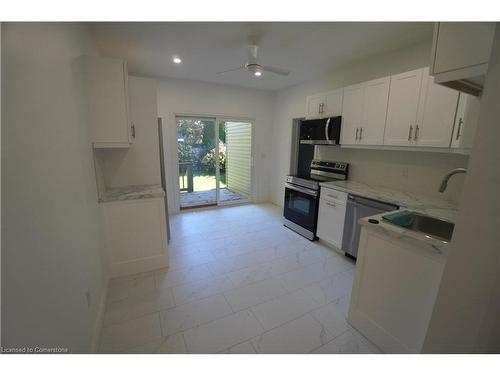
(301, 207)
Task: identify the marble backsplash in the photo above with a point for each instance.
(413, 171)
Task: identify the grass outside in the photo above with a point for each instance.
(203, 182)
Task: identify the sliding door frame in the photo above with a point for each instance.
(217, 119)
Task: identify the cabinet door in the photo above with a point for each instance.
(465, 121)
(331, 221)
(314, 104)
(375, 98)
(106, 83)
(404, 94)
(352, 110)
(458, 45)
(134, 233)
(333, 103)
(436, 114)
(395, 287)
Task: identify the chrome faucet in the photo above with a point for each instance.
(444, 183)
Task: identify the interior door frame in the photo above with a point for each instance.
(217, 119)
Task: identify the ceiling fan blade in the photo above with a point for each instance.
(276, 70)
(252, 53)
(232, 70)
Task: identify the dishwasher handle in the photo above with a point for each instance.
(357, 201)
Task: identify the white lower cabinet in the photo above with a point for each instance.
(134, 235)
(332, 207)
(395, 288)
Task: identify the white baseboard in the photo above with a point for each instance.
(101, 309)
(139, 265)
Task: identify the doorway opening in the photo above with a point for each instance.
(215, 161)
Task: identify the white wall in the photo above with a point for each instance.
(51, 249)
(376, 167)
(140, 163)
(466, 317)
(190, 97)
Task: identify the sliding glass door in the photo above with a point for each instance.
(215, 162)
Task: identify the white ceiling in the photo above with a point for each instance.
(306, 49)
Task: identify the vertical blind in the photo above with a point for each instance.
(239, 157)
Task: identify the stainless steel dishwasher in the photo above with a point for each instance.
(357, 208)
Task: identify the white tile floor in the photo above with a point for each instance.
(238, 282)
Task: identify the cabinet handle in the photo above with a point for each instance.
(357, 133)
(416, 133)
(133, 130)
(331, 204)
(410, 133)
(360, 133)
(460, 121)
(333, 196)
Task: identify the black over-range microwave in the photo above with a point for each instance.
(324, 131)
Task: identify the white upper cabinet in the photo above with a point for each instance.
(314, 104)
(322, 105)
(460, 53)
(375, 98)
(407, 109)
(352, 114)
(465, 121)
(403, 108)
(364, 112)
(333, 103)
(437, 110)
(106, 82)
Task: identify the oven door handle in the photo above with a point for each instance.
(307, 191)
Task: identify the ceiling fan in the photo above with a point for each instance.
(254, 67)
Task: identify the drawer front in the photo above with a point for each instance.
(331, 221)
(332, 194)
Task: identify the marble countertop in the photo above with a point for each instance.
(435, 207)
(440, 208)
(132, 192)
(432, 245)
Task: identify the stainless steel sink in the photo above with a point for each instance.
(418, 222)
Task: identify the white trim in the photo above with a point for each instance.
(443, 150)
(96, 334)
(111, 145)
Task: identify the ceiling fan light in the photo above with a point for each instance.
(257, 73)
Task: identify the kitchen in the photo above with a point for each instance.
(357, 181)
(405, 110)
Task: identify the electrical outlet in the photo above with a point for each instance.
(88, 296)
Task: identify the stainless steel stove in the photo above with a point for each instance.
(302, 195)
